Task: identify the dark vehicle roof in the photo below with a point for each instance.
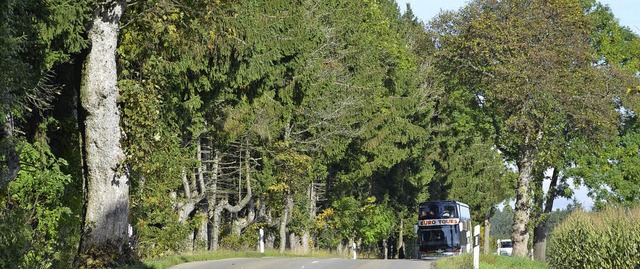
(443, 202)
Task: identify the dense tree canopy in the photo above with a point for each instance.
(322, 122)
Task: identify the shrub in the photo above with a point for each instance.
(607, 239)
(32, 213)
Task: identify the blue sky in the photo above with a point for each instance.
(627, 11)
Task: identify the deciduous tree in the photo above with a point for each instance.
(529, 64)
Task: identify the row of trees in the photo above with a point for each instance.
(305, 118)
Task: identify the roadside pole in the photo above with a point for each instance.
(261, 240)
(354, 251)
(476, 247)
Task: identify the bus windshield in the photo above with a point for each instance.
(442, 237)
(438, 211)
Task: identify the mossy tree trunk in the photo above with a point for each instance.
(106, 218)
(520, 233)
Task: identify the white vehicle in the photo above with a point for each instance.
(505, 247)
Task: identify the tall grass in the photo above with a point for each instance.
(606, 239)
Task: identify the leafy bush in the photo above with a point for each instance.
(32, 210)
(158, 231)
(607, 239)
(231, 241)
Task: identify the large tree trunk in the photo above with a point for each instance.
(201, 234)
(240, 223)
(214, 214)
(284, 220)
(224, 205)
(385, 249)
(306, 235)
(400, 252)
(186, 208)
(487, 231)
(520, 233)
(215, 229)
(106, 215)
(540, 231)
(201, 241)
(12, 156)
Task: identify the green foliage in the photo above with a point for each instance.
(349, 95)
(611, 170)
(606, 239)
(512, 63)
(366, 220)
(32, 210)
(246, 240)
(478, 177)
(158, 231)
(501, 223)
(506, 50)
(616, 45)
(376, 222)
(35, 36)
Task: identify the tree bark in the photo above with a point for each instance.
(224, 205)
(294, 243)
(201, 168)
(284, 220)
(213, 214)
(487, 231)
(201, 235)
(400, 246)
(241, 223)
(306, 235)
(385, 248)
(520, 233)
(540, 231)
(187, 207)
(106, 215)
(12, 156)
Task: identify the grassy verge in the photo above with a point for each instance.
(488, 261)
(168, 261)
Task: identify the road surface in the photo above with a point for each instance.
(304, 263)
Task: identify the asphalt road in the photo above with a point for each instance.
(304, 263)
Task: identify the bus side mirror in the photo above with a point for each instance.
(415, 228)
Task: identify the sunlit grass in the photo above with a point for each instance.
(168, 261)
(489, 261)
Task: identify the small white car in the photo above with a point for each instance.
(505, 247)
